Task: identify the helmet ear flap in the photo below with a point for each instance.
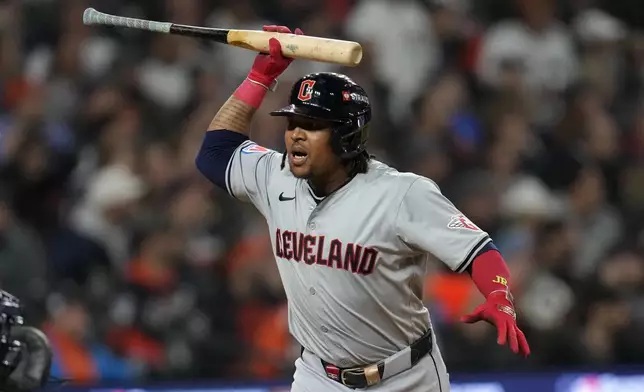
(338, 147)
(348, 145)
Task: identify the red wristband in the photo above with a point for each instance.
(251, 93)
(490, 273)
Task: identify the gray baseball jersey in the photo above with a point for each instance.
(353, 263)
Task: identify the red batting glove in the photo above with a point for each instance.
(498, 310)
(268, 67)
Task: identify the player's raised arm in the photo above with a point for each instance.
(427, 221)
(229, 130)
(237, 113)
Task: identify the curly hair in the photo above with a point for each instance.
(359, 164)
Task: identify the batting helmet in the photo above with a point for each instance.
(335, 98)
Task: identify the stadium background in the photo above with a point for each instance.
(528, 113)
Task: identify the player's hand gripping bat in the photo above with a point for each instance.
(326, 50)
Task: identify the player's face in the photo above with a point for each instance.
(308, 147)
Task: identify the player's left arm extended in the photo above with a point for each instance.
(427, 221)
(492, 277)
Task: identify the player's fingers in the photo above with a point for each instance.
(470, 318)
(274, 48)
(512, 337)
(502, 332)
(283, 29)
(298, 31)
(473, 317)
(523, 343)
(270, 28)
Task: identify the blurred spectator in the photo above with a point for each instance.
(598, 225)
(548, 292)
(156, 316)
(540, 47)
(107, 209)
(164, 78)
(525, 206)
(601, 35)
(148, 304)
(37, 158)
(403, 68)
(78, 356)
(242, 15)
(23, 267)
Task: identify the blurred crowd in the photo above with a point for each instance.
(529, 114)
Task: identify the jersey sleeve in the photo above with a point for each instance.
(428, 222)
(249, 173)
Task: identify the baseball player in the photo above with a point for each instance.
(351, 236)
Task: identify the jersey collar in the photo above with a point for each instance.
(320, 199)
(316, 198)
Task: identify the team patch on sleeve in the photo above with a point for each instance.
(254, 148)
(462, 222)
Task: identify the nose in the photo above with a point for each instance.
(298, 134)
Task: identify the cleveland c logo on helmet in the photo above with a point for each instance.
(306, 90)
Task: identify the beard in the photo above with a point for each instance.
(305, 176)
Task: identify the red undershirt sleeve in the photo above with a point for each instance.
(490, 272)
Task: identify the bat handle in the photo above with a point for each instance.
(94, 17)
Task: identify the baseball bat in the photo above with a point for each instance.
(326, 50)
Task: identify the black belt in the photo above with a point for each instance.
(363, 377)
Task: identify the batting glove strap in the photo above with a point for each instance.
(507, 310)
(504, 294)
(272, 86)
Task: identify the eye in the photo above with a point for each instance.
(307, 124)
(292, 124)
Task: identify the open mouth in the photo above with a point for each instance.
(297, 156)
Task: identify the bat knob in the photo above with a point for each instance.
(88, 16)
